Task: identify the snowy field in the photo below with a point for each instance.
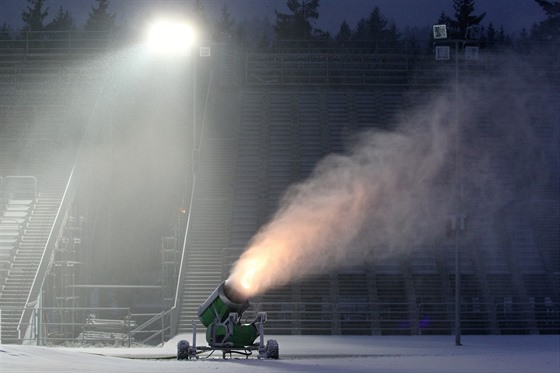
(390, 354)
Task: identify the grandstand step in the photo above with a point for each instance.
(200, 289)
(7, 304)
(21, 276)
(8, 312)
(27, 257)
(24, 264)
(13, 300)
(13, 292)
(13, 288)
(32, 246)
(23, 260)
(17, 283)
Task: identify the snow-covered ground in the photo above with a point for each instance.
(390, 354)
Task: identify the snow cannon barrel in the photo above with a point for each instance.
(223, 301)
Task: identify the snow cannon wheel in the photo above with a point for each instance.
(183, 350)
(272, 350)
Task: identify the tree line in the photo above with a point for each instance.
(298, 23)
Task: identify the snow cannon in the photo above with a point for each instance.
(221, 315)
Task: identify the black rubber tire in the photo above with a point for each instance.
(183, 350)
(272, 349)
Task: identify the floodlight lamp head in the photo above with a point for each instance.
(471, 53)
(439, 32)
(474, 32)
(170, 37)
(442, 52)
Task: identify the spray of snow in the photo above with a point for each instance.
(395, 191)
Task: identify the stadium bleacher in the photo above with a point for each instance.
(262, 134)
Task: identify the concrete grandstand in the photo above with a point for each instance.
(109, 215)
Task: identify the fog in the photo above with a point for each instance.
(474, 151)
(131, 113)
(141, 129)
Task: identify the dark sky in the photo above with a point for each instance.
(512, 14)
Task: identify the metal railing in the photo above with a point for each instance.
(158, 327)
(328, 69)
(102, 326)
(56, 42)
(90, 326)
(398, 318)
(55, 236)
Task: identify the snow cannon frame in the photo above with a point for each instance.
(221, 315)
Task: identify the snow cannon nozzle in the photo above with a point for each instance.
(221, 314)
(236, 295)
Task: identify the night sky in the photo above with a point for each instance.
(514, 15)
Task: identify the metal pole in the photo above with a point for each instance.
(39, 321)
(128, 328)
(457, 216)
(194, 88)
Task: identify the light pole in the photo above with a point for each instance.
(176, 37)
(473, 35)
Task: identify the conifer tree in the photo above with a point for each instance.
(199, 20)
(225, 26)
(99, 17)
(344, 33)
(34, 17)
(376, 31)
(5, 32)
(464, 17)
(503, 39)
(62, 21)
(549, 29)
(298, 24)
(491, 35)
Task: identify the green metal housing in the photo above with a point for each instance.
(214, 314)
(243, 335)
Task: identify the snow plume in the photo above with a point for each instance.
(395, 190)
(381, 195)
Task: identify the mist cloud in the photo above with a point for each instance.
(394, 191)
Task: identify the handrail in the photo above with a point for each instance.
(59, 221)
(48, 254)
(157, 332)
(158, 317)
(358, 317)
(184, 254)
(178, 288)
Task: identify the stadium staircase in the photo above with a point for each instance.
(39, 218)
(210, 229)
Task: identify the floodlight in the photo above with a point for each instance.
(474, 32)
(439, 31)
(170, 37)
(442, 52)
(204, 51)
(471, 53)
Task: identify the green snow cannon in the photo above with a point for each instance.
(221, 315)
